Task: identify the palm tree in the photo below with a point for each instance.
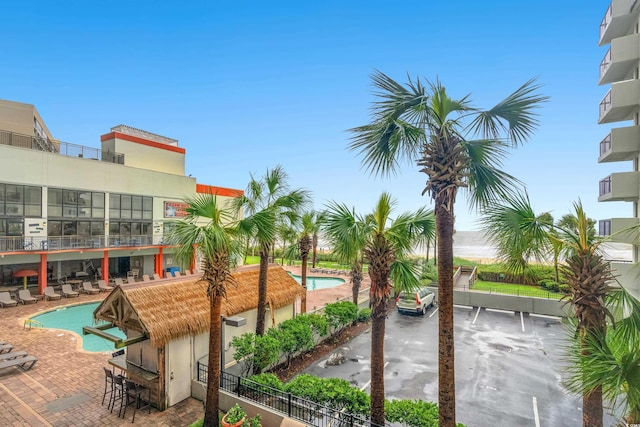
(266, 202)
(614, 361)
(423, 124)
(518, 232)
(308, 228)
(211, 230)
(317, 225)
(386, 243)
(347, 235)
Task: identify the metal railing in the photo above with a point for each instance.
(604, 64)
(605, 104)
(307, 411)
(605, 186)
(62, 148)
(605, 145)
(29, 243)
(606, 20)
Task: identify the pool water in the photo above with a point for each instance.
(314, 283)
(73, 318)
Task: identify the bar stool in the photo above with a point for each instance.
(134, 394)
(108, 385)
(119, 393)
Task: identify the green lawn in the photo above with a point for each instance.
(513, 289)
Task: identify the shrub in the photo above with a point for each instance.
(340, 314)
(258, 352)
(550, 285)
(317, 322)
(412, 413)
(565, 289)
(266, 382)
(334, 392)
(364, 314)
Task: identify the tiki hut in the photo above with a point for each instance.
(167, 325)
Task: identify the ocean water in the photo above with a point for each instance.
(475, 245)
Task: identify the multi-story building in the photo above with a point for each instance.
(69, 210)
(621, 68)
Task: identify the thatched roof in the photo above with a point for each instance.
(177, 308)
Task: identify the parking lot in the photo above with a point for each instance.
(508, 367)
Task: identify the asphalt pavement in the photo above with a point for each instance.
(509, 367)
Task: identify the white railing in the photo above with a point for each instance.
(605, 63)
(605, 104)
(25, 243)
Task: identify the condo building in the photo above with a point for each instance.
(620, 68)
(71, 211)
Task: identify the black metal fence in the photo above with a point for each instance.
(292, 406)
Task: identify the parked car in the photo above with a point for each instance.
(415, 302)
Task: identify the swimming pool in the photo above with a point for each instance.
(314, 283)
(73, 318)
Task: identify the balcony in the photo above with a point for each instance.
(621, 230)
(620, 102)
(622, 144)
(617, 20)
(39, 244)
(619, 61)
(57, 147)
(619, 187)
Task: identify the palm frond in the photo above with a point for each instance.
(404, 275)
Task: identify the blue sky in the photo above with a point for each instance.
(247, 85)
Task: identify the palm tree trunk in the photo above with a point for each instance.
(303, 304)
(213, 377)
(315, 250)
(446, 365)
(356, 281)
(592, 408)
(262, 289)
(377, 363)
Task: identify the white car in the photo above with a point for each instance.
(415, 302)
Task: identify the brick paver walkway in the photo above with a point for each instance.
(65, 386)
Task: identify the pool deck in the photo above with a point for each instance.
(65, 386)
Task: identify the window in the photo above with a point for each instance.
(65, 203)
(127, 215)
(19, 201)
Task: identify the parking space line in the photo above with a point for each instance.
(546, 316)
(476, 318)
(498, 310)
(466, 307)
(369, 382)
(535, 411)
(434, 312)
(522, 321)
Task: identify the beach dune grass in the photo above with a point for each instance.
(514, 289)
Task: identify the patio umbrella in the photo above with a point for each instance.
(24, 274)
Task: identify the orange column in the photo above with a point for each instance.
(42, 274)
(105, 266)
(159, 262)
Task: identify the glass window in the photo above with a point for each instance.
(84, 228)
(147, 204)
(125, 202)
(84, 212)
(98, 200)
(136, 214)
(125, 229)
(147, 215)
(2, 191)
(97, 213)
(84, 198)
(97, 228)
(55, 197)
(114, 201)
(3, 227)
(33, 195)
(70, 197)
(70, 211)
(147, 229)
(114, 228)
(55, 211)
(14, 227)
(1, 207)
(69, 228)
(114, 213)
(136, 229)
(54, 228)
(136, 203)
(14, 209)
(14, 193)
(125, 214)
(33, 211)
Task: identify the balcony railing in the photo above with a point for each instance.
(604, 64)
(605, 145)
(605, 104)
(20, 244)
(605, 186)
(608, 17)
(62, 148)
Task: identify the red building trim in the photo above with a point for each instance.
(114, 135)
(218, 191)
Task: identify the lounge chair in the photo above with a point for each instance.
(103, 287)
(68, 292)
(50, 294)
(187, 272)
(146, 278)
(6, 348)
(6, 300)
(24, 296)
(88, 289)
(177, 274)
(12, 355)
(118, 281)
(156, 276)
(25, 363)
